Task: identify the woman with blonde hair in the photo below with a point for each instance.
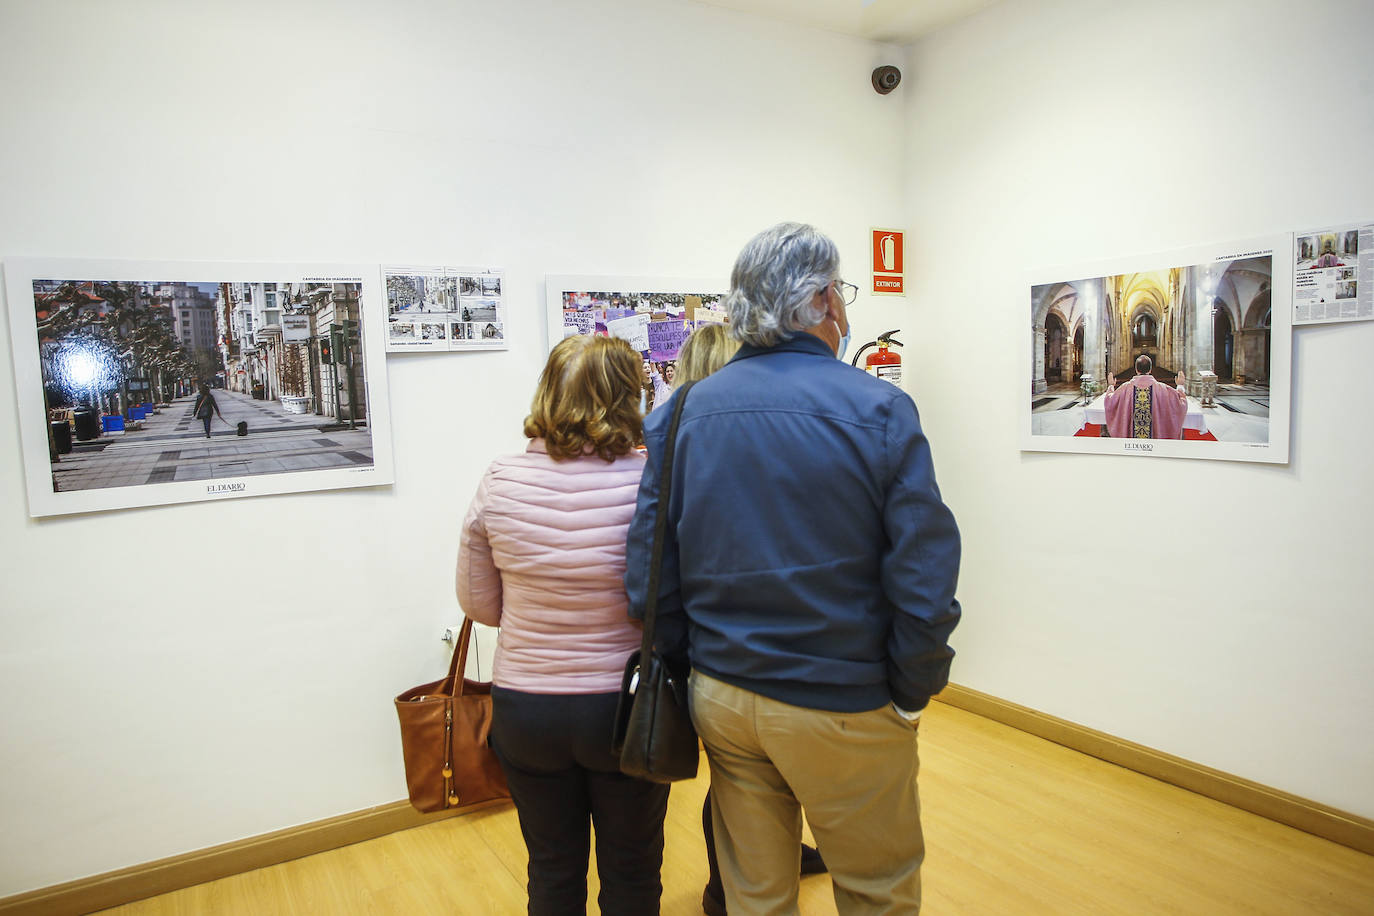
(704, 351)
(542, 556)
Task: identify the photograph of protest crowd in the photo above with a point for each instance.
(655, 316)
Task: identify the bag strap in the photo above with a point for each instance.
(459, 664)
(665, 488)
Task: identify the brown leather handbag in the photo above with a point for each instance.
(445, 725)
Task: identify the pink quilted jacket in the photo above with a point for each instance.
(542, 556)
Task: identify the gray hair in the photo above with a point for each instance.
(775, 281)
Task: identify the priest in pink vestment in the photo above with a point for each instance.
(1145, 408)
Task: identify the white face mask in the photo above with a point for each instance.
(844, 335)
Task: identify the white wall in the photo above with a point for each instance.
(1237, 631)
(171, 679)
(179, 677)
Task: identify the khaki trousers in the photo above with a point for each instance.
(854, 773)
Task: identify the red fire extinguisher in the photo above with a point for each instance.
(885, 363)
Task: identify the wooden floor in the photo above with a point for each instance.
(1014, 825)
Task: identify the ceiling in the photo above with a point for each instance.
(894, 21)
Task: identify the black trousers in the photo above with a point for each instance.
(555, 751)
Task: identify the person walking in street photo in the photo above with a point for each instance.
(206, 408)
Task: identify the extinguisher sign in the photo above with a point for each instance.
(887, 263)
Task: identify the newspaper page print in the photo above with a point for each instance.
(444, 309)
(1333, 274)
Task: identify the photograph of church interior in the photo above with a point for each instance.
(197, 700)
(1328, 249)
(1204, 327)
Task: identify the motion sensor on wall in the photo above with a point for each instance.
(885, 79)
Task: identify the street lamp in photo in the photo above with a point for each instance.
(86, 366)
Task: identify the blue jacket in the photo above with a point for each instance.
(809, 557)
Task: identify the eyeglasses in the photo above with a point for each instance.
(847, 291)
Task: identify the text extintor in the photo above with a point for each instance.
(888, 270)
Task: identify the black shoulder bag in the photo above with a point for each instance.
(653, 729)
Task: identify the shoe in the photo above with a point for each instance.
(712, 906)
(811, 861)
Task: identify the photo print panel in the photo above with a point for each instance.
(147, 383)
(444, 309)
(1183, 354)
(654, 314)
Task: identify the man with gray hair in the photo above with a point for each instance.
(809, 569)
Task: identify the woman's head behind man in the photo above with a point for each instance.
(704, 351)
(587, 399)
